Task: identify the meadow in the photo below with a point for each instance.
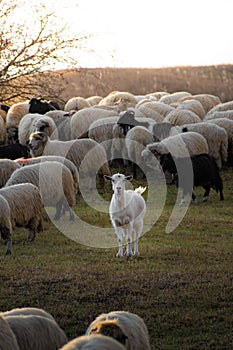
(181, 284)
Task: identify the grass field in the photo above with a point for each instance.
(181, 284)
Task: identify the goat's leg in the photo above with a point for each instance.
(128, 235)
(119, 234)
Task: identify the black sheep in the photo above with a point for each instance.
(40, 106)
(205, 173)
(14, 151)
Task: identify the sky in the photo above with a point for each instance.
(151, 33)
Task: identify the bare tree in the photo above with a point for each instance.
(33, 42)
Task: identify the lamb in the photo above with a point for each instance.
(5, 224)
(80, 121)
(8, 339)
(36, 122)
(126, 327)
(53, 175)
(136, 140)
(181, 117)
(205, 174)
(37, 105)
(216, 138)
(127, 210)
(93, 342)
(36, 332)
(70, 165)
(7, 167)
(180, 145)
(14, 115)
(25, 206)
(88, 156)
(14, 150)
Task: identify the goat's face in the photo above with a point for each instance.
(118, 182)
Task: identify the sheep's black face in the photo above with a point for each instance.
(41, 107)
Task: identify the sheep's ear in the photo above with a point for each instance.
(129, 177)
(107, 177)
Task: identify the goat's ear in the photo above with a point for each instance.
(107, 177)
(129, 177)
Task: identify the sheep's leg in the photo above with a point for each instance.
(58, 210)
(206, 194)
(9, 244)
(31, 235)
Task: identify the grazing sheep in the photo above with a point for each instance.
(3, 133)
(8, 339)
(144, 110)
(126, 327)
(62, 121)
(5, 224)
(180, 145)
(127, 120)
(205, 174)
(221, 107)
(161, 108)
(7, 167)
(36, 332)
(37, 105)
(208, 101)
(70, 165)
(193, 105)
(174, 97)
(127, 210)
(93, 342)
(136, 140)
(219, 114)
(216, 138)
(181, 117)
(80, 121)
(54, 181)
(36, 122)
(26, 207)
(226, 124)
(88, 156)
(14, 151)
(94, 100)
(28, 311)
(14, 115)
(123, 100)
(76, 103)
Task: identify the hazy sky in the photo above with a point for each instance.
(151, 33)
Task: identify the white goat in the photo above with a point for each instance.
(127, 209)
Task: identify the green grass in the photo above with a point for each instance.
(181, 284)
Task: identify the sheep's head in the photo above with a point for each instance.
(36, 143)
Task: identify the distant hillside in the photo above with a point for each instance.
(217, 80)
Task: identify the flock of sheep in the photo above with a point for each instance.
(35, 329)
(46, 151)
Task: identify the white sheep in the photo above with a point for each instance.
(8, 339)
(161, 108)
(145, 110)
(208, 101)
(70, 165)
(80, 121)
(5, 224)
(127, 210)
(93, 342)
(181, 117)
(62, 120)
(221, 107)
(193, 105)
(94, 100)
(28, 311)
(25, 207)
(15, 114)
(220, 114)
(174, 97)
(136, 140)
(3, 133)
(76, 103)
(36, 332)
(89, 156)
(126, 327)
(7, 167)
(216, 137)
(54, 181)
(122, 99)
(180, 145)
(36, 122)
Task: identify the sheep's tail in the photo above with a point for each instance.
(140, 190)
